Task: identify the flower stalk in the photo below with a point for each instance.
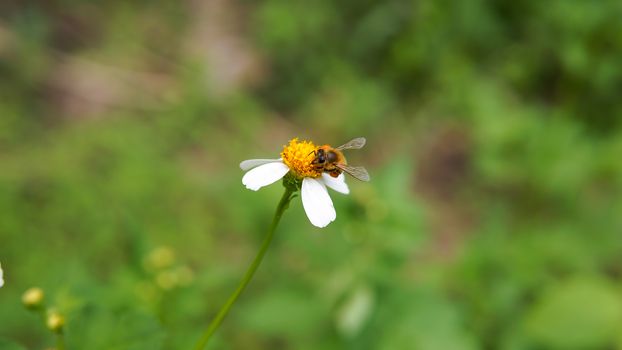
(250, 272)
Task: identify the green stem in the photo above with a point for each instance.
(60, 341)
(224, 310)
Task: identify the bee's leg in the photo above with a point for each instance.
(335, 173)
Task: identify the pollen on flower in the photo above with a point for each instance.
(298, 157)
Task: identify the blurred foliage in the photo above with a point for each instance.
(492, 220)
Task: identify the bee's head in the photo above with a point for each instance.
(320, 156)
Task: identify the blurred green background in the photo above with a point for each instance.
(492, 220)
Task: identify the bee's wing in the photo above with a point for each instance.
(357, 172)
(357, 143)
(253, 163)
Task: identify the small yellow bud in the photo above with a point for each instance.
(166, 280)
(177, 277)
(159, 258)
(33, 298)
(55, 322)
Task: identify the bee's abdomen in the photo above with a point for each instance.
(335, 172)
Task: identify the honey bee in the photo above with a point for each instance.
(332, 161)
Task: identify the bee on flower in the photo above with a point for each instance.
(312, 168)
(303, 166)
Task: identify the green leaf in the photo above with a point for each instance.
(581, 314)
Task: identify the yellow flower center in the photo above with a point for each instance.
(298, 157)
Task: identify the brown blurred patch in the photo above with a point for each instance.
(84, 84)
(75, 27)
(444, 163)
(80, 88)
(444, 167)
(217, 37)
(7, 40)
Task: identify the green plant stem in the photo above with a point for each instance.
(224, 310)
(60, 341)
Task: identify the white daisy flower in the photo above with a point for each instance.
(299, 160)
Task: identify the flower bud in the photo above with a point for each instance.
(166, 280)
(159, 258)
(55, 321)
(33, 298)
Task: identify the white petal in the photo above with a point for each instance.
(251, 163)
(264, 175)
(336, 183)
(317, 202)
(1, 277)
